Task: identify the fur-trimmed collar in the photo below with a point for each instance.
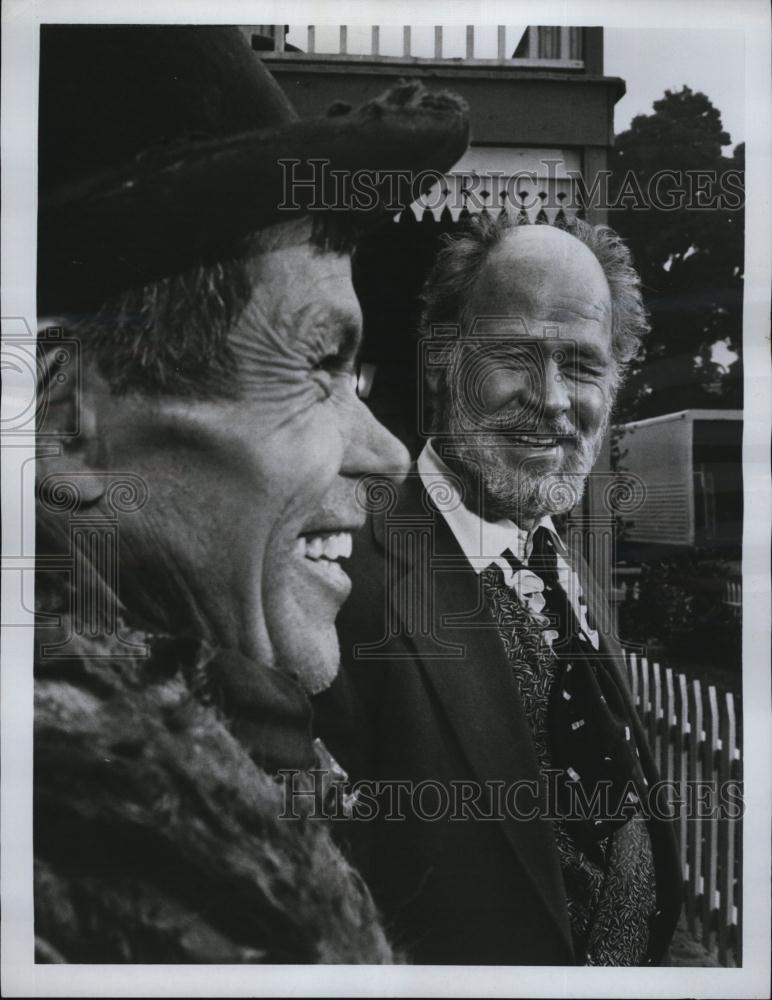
(158, 835)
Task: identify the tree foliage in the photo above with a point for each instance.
(690, 256)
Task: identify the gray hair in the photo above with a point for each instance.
(171, 337)
(447, 291)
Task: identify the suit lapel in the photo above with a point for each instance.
(463, 659)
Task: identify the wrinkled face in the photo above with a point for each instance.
(531, 385)
(252, 501)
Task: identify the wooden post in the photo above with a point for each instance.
(438, 41)
(726, 831)
(694, 836)
(406, 40)
(669, 724)
(683, 774)
(645, 693)
(710, 757)
(634, 680)
(376, 40)
(738, 851)
(470, 41)
(669, 731)
(311, 44)
(656, 715)
(592, 50)
(343, 46)
(596, 162)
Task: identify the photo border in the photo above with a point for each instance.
(20, 976)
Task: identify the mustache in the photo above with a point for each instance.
(514, 422)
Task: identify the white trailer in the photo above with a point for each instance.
(690, 463)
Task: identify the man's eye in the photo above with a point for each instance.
(571, 367)
(588, 371)
(338, 365)
(331, 363)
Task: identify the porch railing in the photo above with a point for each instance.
(539, 46)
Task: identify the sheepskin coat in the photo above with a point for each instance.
(158, 835)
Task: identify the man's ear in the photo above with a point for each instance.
(67, 430)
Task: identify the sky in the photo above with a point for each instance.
(651, 61)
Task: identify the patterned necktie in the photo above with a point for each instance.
(590, 734)
(609, 880)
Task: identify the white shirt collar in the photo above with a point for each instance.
(481, 541)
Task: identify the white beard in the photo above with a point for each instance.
(517, 488)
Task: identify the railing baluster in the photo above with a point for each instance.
(311, 43)
(502, 41)
(406, 40)
(438, 41)
(343, 46)
(376, 40)
(533, 43)
(278, 37)
(575, 50)
(470, 41)
(565, 43)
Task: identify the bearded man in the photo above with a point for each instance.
(481, 706)
(201, 441)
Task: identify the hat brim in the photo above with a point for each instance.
(178, 204)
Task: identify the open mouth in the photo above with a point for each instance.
(533, 440)
(322, 552)
(325, 546)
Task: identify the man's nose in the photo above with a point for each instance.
(556, 397)
(372, 449)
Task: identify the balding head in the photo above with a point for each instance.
(542, 252)
(542, 272)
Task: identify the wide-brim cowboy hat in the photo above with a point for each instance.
(161, 145)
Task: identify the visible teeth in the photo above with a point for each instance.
(543, 442)
(332, 547)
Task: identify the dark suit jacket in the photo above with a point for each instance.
(426, 694)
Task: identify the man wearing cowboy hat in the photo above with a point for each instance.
(200, 445)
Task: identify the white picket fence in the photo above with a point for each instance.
(693, 734)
